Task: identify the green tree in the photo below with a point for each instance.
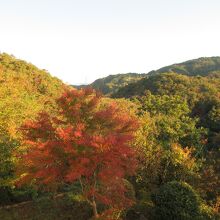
(178, 200)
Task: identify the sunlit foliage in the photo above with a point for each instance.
(88, 142)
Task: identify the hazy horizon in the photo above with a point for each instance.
(80, 41)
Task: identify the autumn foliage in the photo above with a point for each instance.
(89, 141)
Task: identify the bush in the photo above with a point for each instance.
(10, 195)
(177, 200)
(5, 195)
(141, 210)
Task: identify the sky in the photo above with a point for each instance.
(79, 41)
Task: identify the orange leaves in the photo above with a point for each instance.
(91, 144)
(76, 105)
(41, 128)
(117, 118)
(65, 134)
(79, 167)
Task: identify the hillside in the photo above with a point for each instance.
(112, 83)
(170, 83)
(198, 84)
(202, 66)
(25, 90)
(205, 67)
(198, 67)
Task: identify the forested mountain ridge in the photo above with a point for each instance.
(203, 66)
(32, 78)
(24, 89)
(111, 83)
(170, 83)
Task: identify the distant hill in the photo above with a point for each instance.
(120, 82)
(112, 83)
(171, 84)
(204, 67)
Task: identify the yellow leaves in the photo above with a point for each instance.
(183, 156)
(12, 130)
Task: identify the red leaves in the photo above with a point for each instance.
(91, 144)
(76, 105)
(41, 128)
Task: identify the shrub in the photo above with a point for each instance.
(176, 200)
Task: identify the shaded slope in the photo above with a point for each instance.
(202, 66)
(112, 83)
(205, 67)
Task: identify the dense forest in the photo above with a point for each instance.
(128, 146)
(124, 82)
(113, 83)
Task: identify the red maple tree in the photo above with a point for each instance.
(89, 141)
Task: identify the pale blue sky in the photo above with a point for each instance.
(82, 40)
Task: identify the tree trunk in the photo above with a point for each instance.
(94, 207)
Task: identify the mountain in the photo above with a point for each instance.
(202, 67)
(112, 83)
(120, 83)
(170, 84)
